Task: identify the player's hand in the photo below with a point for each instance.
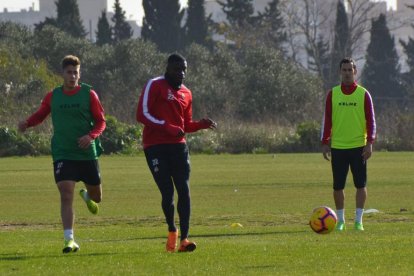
(326, 151)
(209, 123)
(85, 141)
(175, 131)
(180, 133)
(367, 152)
(22, 126)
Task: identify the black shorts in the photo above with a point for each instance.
(77, 170)
(342, 160)
(168, 161)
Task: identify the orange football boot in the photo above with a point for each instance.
(171, 241)
(187, 246)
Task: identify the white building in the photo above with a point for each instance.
(89, 10)
(213, 7)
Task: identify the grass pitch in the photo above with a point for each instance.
(271, 196)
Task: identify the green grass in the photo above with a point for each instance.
(272, 196)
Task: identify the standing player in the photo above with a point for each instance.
(78, 119)
(165, 110)
(349, 126)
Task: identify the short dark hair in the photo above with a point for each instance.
(347, 60)
(70, 60)
(175, 57)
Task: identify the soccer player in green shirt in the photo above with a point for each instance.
(348, 132)
(77, 119)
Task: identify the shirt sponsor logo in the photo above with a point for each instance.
(347, 104)
(65, 106)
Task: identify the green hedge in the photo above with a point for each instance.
(13, 143)
(119, 137)
(254, 138)
(232, 138)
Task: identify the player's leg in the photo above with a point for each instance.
(157, 160)
(65, 177)
(90, 175)
(180, 161)
(339, 198)
(340, 168)
(66, 190)
(359, 172)
(361, 197)
(94, 192)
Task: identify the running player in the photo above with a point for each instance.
(77, 119)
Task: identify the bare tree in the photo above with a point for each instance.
(293, 35)
(360, 13)
(310, 23)
(307, 27)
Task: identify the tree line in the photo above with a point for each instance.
(252, 84)
(288, 26)
(249, 79)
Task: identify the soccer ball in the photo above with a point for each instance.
(323, 220)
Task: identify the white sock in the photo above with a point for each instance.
(68, 233)
(85, 196)
(358, 214)
(341, 215)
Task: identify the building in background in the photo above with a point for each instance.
(90, 11)
(401, 25)
(400, 21)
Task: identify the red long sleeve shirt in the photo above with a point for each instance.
(95, 106)
(165, 111)
(369, 114)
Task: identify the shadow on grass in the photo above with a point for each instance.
(260, 267)
(22, 257)
(206, 236)
(247, 234)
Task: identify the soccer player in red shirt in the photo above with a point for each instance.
(78, 119)
(348, 132)
(165, 110)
